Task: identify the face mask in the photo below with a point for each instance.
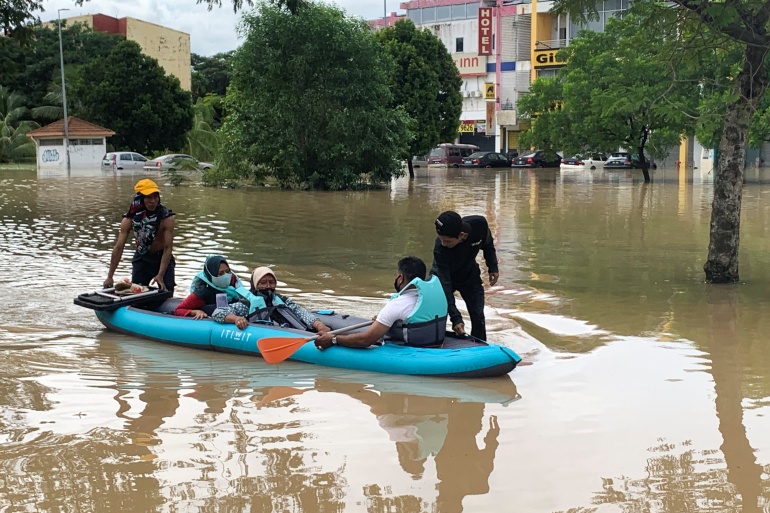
(267, 292)
(222, 281)
(395, 285)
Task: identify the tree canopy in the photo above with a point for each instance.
(309, 102)
(425, 82)
(744, 25)
(619, 88)
(146, 108)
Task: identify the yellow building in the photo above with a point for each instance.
(171, 48)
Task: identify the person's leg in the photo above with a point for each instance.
(170, 275)
(143, 270)
(473, 295)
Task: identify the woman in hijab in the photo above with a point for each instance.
(269, 307)
(215, 278)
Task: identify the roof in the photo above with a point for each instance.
(77, 128)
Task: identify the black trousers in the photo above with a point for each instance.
(145, 267)
(473, 295)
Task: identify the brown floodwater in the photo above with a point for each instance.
(648, 390)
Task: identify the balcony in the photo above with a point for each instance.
(550, 44)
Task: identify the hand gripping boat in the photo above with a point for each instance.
(148, 316)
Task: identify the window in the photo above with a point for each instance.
(414, 15)
(51, 142)
(472, 10)
(444, 13)
(429, 14)
(459, 45)
(458, 12)
(139, 158)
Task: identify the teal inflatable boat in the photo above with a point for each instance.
(464, 357)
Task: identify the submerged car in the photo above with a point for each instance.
(539, 158)
(486, 159)
(123, 160)
(173, 162)
(624, 160)
(584, 161)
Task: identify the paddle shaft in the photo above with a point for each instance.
(343, 330)
(277, 349)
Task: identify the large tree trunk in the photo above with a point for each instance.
(411, 167)
(722, 263)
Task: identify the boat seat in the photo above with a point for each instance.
(169, 305)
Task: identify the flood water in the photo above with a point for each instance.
(648, 390)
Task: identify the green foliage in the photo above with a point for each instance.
(292, 6)
(16, 17)
(201, 140)
(618, 88)
(131, 94)
(211, 75)
(425, 82)
(309, 103)
(14, 126)
(35, 69)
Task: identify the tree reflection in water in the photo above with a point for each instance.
(692, 481)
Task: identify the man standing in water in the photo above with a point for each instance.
(454, 262)
(153, 226)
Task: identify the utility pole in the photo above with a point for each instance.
(64, 98)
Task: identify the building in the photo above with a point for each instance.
(171, 48)
(87, 145)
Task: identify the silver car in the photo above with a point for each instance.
(123, 160)
(172, 162)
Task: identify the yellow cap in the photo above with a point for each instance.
(146, 187)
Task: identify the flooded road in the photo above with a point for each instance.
(648, 389)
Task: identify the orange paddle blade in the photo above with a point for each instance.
(277, 349)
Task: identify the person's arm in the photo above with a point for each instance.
(117, 251)
(235, 313)
(490, 257)
(363, 339)
(306, 317)
(167, 228)
(441, 269)
(191, 306)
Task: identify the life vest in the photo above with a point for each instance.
(426, 324)
(279, 312)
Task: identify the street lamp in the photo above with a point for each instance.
(64, 98)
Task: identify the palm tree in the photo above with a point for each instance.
(14, 143)
(201, 140)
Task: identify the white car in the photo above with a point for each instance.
(123, 160)
(584, 161)
(172, 162)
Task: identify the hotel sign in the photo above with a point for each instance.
(485, 31)
(470, 64)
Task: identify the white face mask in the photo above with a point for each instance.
(222, 281)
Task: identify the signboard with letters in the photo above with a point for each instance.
(485, 31)
(489, 91)
(470, 64)
(546, 59)
(467, 126)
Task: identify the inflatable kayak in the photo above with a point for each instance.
(464, 357)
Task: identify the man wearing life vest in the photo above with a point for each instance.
(416, 314)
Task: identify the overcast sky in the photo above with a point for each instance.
(210, 31)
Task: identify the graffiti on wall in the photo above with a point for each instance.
(50, 156)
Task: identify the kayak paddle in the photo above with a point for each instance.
(277, 349)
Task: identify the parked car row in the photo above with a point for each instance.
(128, 160)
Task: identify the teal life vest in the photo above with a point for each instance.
(426, 324)
(279, 312)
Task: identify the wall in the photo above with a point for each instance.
(51, 159)
(170, 47)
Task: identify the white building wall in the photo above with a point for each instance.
(51, 158)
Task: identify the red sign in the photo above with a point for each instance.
(485, 31)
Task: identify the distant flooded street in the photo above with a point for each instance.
(648, 390)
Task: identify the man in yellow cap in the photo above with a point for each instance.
(153, 226)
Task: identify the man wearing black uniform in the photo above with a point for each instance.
(454, 262)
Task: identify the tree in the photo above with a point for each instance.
(201, 140)
(293, 6)
(425, 83)
(746, 24)
(14, 126)
(147, 109)
(618, 88)
(309, 102)
(211, 75)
